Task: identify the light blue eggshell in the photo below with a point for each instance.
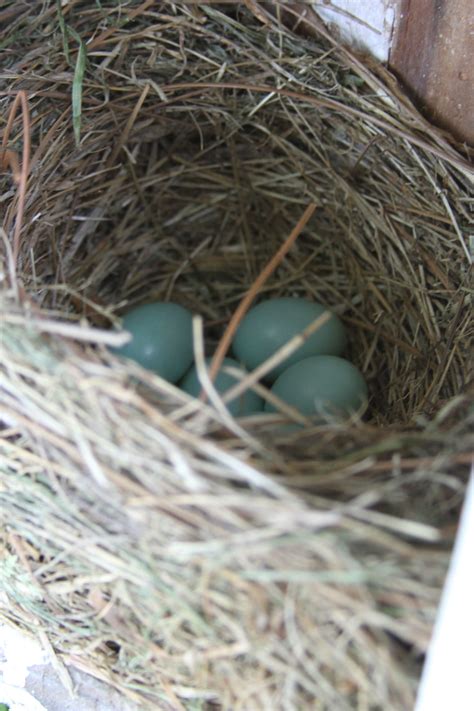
(271, 324)
(162, 338)
(245, 404)
(326, 386)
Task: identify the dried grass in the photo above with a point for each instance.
(191, 560)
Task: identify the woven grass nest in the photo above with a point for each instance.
(191, 560)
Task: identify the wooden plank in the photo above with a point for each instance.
(433, 55)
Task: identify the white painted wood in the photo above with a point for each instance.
(18, 699)
(366, 25)
(29, 681)
(446, 682)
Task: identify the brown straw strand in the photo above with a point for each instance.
(20, 98)
(244, 305)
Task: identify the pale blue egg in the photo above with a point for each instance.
(271, 324)
(326, 386)
(162, 338)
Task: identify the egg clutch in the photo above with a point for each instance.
(315, 380)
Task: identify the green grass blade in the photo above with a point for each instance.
(62, 25)
(77, 87)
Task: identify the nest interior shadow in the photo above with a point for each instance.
(204, 134)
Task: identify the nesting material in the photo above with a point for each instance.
(191, 560)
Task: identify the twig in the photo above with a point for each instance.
(244, 305)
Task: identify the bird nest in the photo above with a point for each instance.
(165, 151)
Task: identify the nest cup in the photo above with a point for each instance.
(188, 559)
